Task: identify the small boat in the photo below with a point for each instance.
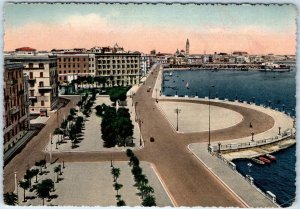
(271, 157)
(187, 85)
(171, 74)
(265, 160)
(257, 161)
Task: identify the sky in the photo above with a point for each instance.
(257, 29)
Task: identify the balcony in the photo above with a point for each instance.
(44, 88)
(32, 80)
(33, 97)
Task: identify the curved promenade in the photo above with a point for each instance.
(188, 182)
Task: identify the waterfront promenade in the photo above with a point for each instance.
(187, 181)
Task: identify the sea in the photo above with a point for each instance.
(273, 89)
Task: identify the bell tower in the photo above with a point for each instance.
(187, 48)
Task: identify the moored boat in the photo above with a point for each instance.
(271, 157)
(265, 160)
(257, 161)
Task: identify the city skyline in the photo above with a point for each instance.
(210, 28)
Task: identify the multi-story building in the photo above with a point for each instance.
(145, 64)
(92, 64)
(15, 102)
(71, 65)
(120, 68)
(41, 70)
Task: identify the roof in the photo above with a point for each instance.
(25, 49)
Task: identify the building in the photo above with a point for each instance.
(70, 65)
(41, 70)
(119, 67)
(15, 102)
(187, 48)
(145, 64)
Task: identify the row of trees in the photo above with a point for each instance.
(116, 127)
(141, 180)
(118, 93)
(116, 174)
(91, 80)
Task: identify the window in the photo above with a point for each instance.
(41, 74)
(64, 66)
(30, 65)
(78, 65)
(59, 72)
(41, 84)
(59, 66)
(59, 59)
(32, 93)
(69, 66)
(73, 59)
(41, 65)
(42, 103)
(42, 94)
(31, 75)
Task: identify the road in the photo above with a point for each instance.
(187, 180)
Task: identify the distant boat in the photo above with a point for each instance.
(187, 85)
(271, 157)
(264, 159)
(257, 161)
(171, 74)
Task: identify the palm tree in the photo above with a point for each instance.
(117, 187)
(28, 176)
(35, 172)
(57, 170)
(149, 201)
(116, 173)
(24, 185)
(121, 203)
(146, 190)
(42, 191)
(10, 198)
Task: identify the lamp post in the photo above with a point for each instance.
(252, 139)
(177, 111)
(111, 164)
(135, 104)
(209, 118)
(50, 153)
(279, 128)
(156, 94)
(140, 121)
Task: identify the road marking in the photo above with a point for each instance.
(218, 178)
(164, 186)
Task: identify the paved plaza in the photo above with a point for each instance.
(91, 139)
(194, 117)
(78, 187)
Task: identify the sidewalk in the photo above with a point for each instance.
(230, 178)
(21, 143)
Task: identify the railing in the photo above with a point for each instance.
(233, 146)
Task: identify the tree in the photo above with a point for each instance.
(28, 176)
(146, 190)
(10, 198)
(121, 203)
(99, 110)
(57, 170)
(41, 164)
(72, 111)
(117, 187)
(149, 201)
(24, 185)
(129, 153)
(116, 173)
(134, 161)
(43, 189)
(35, 172)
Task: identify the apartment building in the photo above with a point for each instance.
(15, 103)
(41, 70)
(120, 68)
(70, 65)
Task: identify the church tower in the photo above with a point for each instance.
(187, 48)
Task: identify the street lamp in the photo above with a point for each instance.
(177, 111)
(209, 118)
(156, 94)
(279, 128)
(252, 139)
(140, 121)
(135, 104)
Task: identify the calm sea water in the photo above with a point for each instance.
(273, 89)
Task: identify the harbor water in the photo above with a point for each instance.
(273, 89)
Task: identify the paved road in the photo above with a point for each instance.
(187, 180)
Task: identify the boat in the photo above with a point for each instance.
(265, 160)
(271, 157)
(257, 161)
(171, 74)
(187, 85)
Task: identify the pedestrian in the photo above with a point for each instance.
(250, 125)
